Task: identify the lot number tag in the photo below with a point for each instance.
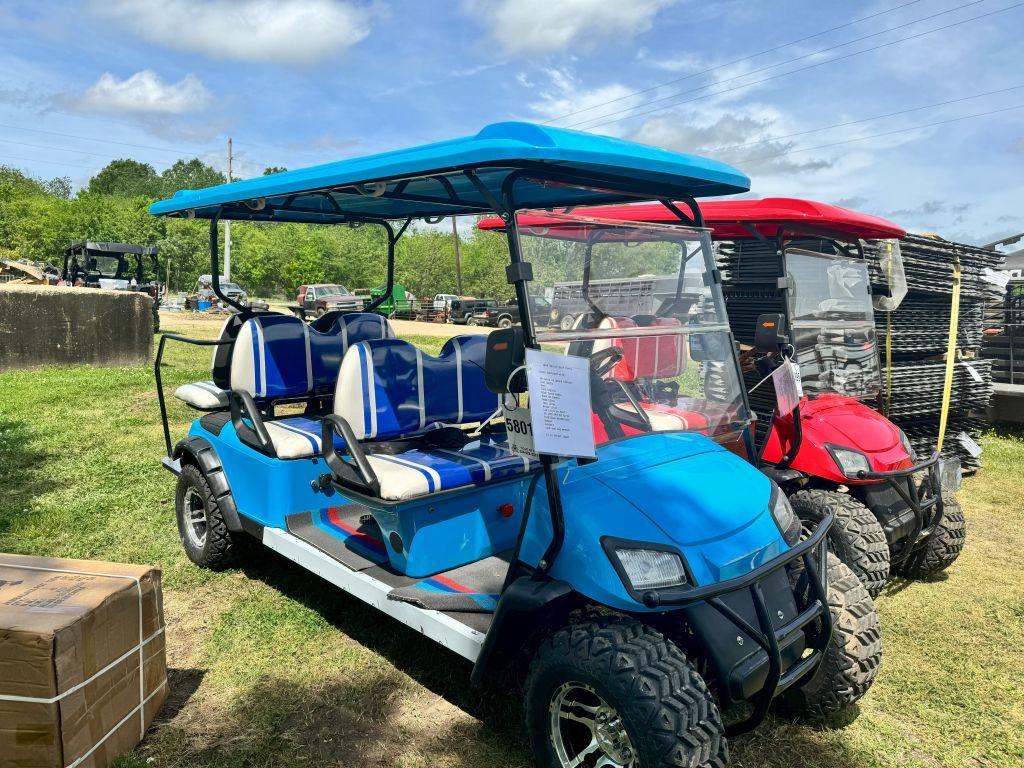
(788, 388)
(519, 430)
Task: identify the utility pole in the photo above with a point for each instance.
(458, 259)
(227, 225)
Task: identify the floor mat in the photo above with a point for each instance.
(472, 588)
(339, 532)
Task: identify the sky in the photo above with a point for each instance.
(910, 110)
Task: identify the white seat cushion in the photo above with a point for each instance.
(421, 472)
(298, 437)
(203, 396)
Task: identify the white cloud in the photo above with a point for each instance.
(300, 32)
(741, 140)
(143, 94)
(547, 26)
(564, 95)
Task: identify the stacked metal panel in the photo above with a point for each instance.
(920, 329)
(1003, 340)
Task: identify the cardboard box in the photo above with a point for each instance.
(82, 664)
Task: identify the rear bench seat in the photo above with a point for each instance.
(328, 345)
(279, 357)
(389, 389)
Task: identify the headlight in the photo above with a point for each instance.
(651, 568)
(849, 461)
(950, 474)
(785, 517)
(905, 442)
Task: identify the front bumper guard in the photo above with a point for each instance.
(813, 551)
(928, 510)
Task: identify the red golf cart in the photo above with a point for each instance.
(798, 290)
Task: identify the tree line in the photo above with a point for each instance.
(39, 218)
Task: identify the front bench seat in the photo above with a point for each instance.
(389, 390)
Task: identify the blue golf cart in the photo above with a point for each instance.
(653, 600)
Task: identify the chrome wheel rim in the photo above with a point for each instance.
(194, 520)
(586, 732)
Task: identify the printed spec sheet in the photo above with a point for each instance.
(560, 403)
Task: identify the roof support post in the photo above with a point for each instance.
(215, 265)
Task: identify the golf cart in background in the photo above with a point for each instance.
(797, 288)
(637, 594)
(115, 266)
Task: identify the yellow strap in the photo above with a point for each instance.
(888, 340)
(888, 363)
(954, 315)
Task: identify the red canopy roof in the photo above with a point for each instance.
(725, 218)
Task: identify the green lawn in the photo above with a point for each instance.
(270, 666)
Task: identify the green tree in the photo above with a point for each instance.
(189, 174)
(126, 178)
(272, 169)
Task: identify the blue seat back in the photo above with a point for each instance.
(389, 388)
(279, 356)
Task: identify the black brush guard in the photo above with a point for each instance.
(928, 510)
(812, 551)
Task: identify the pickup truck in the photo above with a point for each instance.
(323, 298)
(462, 309)
(506, 315)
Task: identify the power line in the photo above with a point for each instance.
(105, 141)
(590, 124)
(861, 120)
(887, 133)
(734, 61)
(50, 162)
(57, 149)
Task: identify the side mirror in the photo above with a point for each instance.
(709, 347)
(770, 334)
(506, 351)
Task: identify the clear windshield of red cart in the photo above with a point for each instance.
(832, 324)
(642, 302)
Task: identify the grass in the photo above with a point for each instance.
(270, 666)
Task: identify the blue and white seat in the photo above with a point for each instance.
(389, 389)
(279, 357)
(324, 351)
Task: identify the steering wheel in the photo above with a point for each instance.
(603, 361)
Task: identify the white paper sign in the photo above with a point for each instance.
(969, 444)
(519, 430)
(788, 387)
(995, 276)
(560, 403)
(973, 371)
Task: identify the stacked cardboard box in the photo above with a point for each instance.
(82, 665)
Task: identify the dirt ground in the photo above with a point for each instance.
(205, 324)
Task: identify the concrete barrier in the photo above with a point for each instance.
(54, 325)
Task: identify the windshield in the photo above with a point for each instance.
(641, 301)
(230, 287)
(832, 324)
(106, 266)
(331, 290)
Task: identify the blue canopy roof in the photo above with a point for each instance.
(431, 180)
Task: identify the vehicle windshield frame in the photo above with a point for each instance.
(843, 255)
